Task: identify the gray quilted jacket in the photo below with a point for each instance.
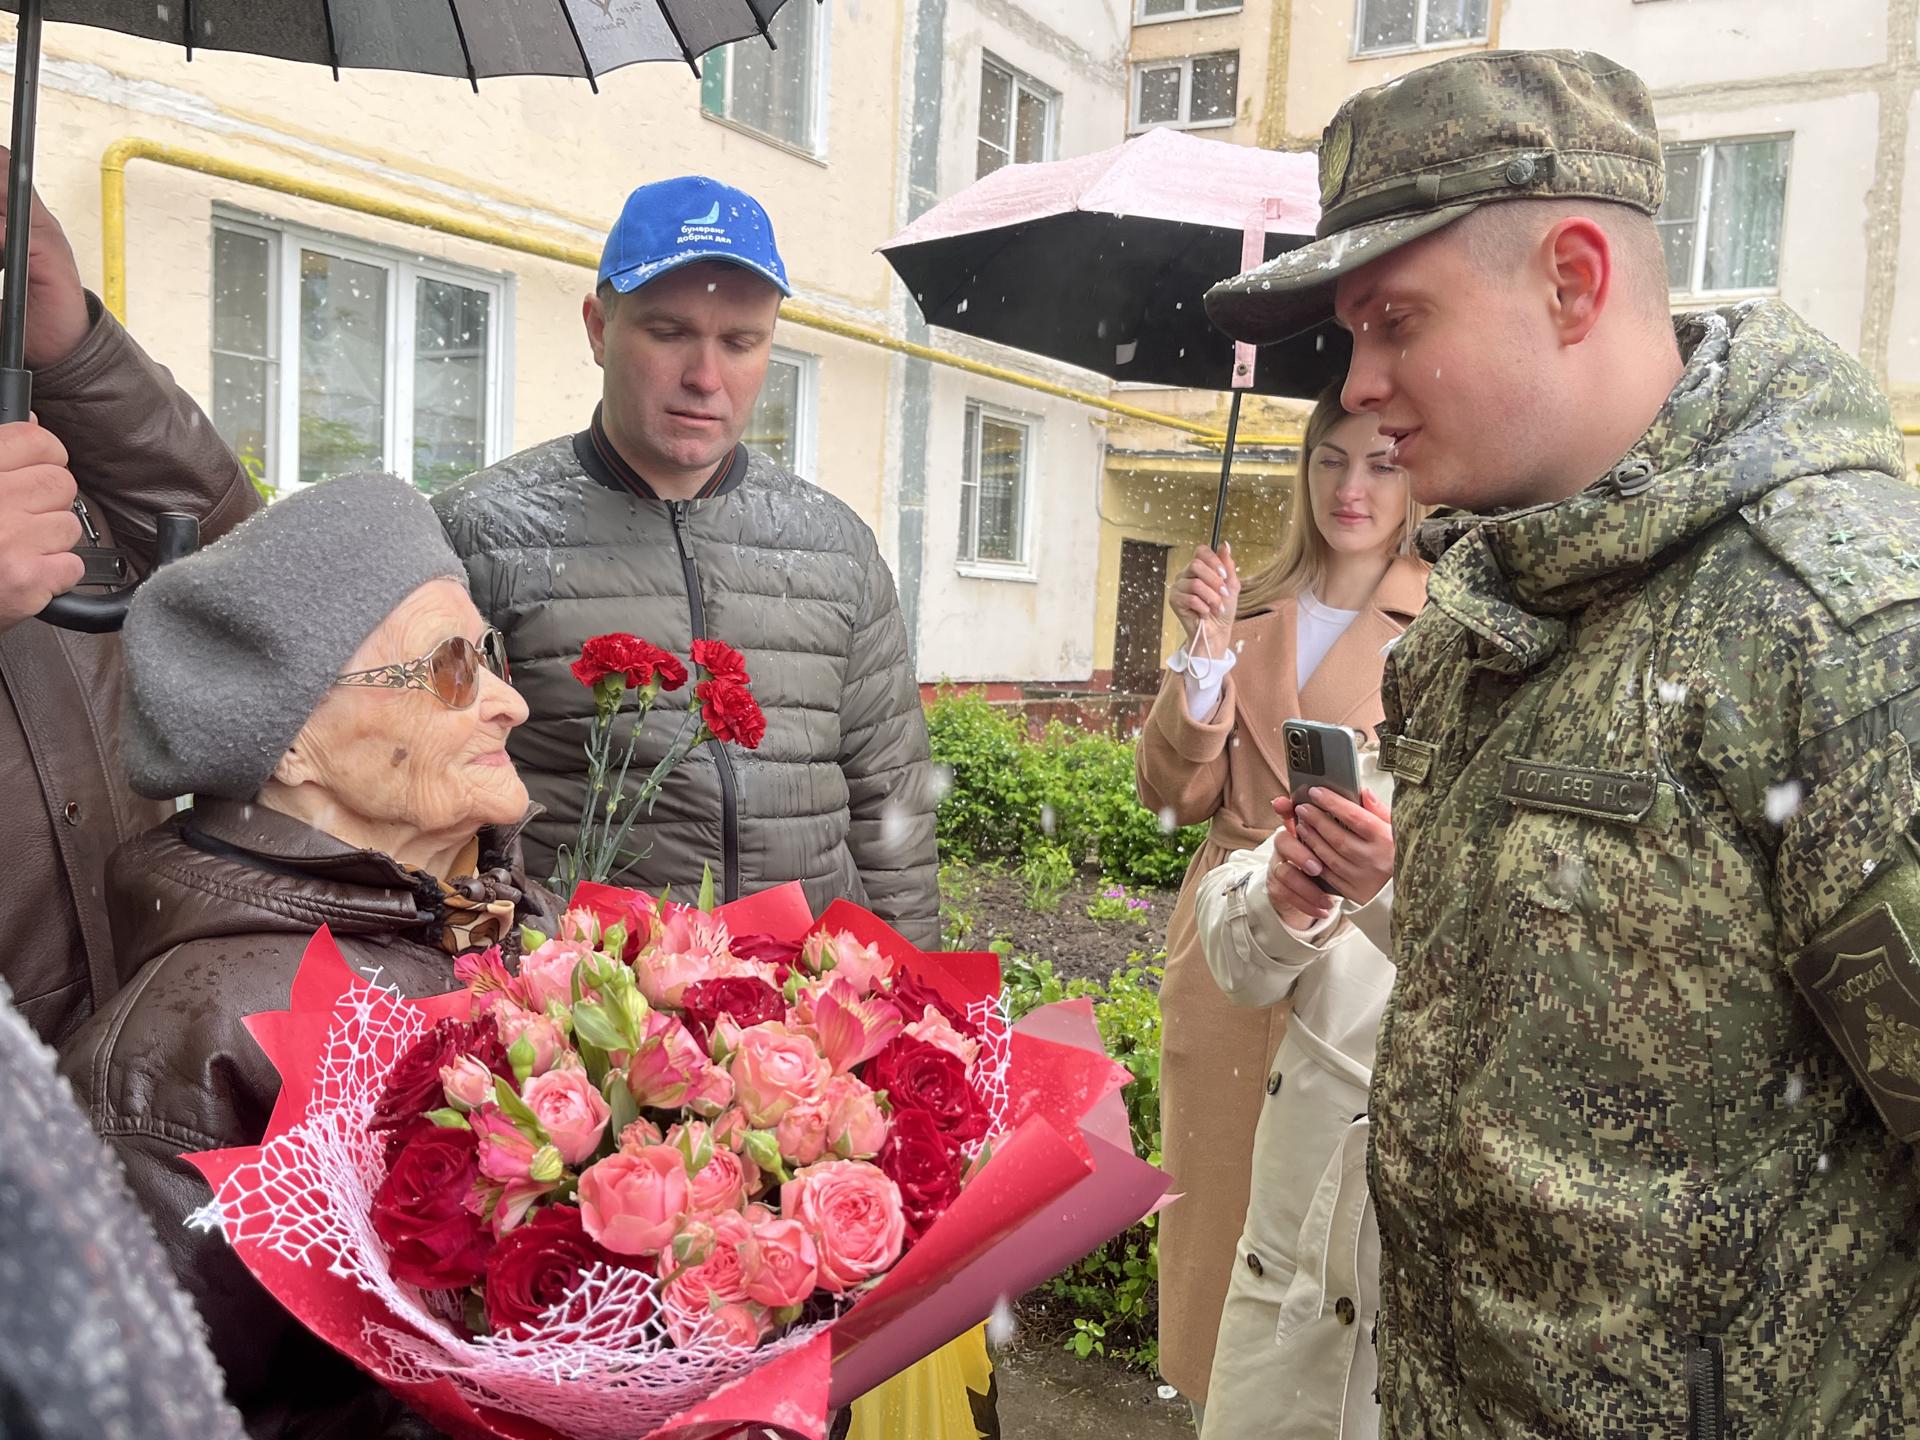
(563, 542)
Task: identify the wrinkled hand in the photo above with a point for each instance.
(1204, 597)
(1329, 838)
(57, 319)
(38, 528)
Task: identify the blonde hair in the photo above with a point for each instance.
(1301, 563)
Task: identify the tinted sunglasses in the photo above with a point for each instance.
(450, 672)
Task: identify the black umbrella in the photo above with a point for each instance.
(470, 39)
(1101, 262)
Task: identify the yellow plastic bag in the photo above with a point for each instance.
(928, 1400)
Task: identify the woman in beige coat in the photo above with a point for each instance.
(1305, 638)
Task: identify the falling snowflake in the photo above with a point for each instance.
(1001, 1324)
(1783, 801)
(1047, 821)
(1673, 692)
(1796, 1090)
(1567, 877)
(1167, 1392)
(942, 782)
(1167, 823)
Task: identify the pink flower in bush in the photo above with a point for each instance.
(570, 1110)
(844, 958)
(663, 1070)
(773, 1070)
(708, 1299)
(802, 1133)
(504, 1153)
(638, 1135)
(633, 1204)
(853, 1213)
(856, 1125)
(689, 947)
(852, 1028)
(547, 974)
(711, 1092)
(539, 1031)
(720, 1178)
(468, 1084)
(780, 1264)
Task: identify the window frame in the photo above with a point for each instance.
(1696, 290)
(1190, 11)
(806, 401)
(403, 271)
(1018, 80)
(1136, 126)
(816, 150)
(1360, 52)
(1022, 569)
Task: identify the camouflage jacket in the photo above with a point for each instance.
(1652, 744)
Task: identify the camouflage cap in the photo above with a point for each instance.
(1405, 158)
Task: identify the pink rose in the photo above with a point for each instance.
(802, 1133)
(773, 1070)
(570, 1110)
(856, 1125)
(711, 1092)
(638, 1135)
(633, 1204)
(582, 925)
(937, 1030)
(730, 1129)
(505, 1154)
(663, 1070)
(689, 947)
(708, 1300)
(853, 1213)
(842, 957)
(547, 974)
(780, 1264)
(721, 1178)
(539, 1031)
(467, 1082)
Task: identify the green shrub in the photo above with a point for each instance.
(1046, 873)
(1007, 796)
(1114, 906)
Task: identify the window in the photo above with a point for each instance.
(1721, 221)
(1418, 24)
(1016, 118)
(331, 356)
(1192, 93)
(781, 425)
(993, 489)
(777, 92)
(1147, 11)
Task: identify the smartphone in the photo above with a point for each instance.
(1323, 755)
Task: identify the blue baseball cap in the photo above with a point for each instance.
(677, 222)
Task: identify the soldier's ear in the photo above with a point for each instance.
(1579, 263)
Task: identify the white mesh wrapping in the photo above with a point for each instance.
(609, 1375)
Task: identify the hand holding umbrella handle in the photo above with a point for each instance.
(175, 536)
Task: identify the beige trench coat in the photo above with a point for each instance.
(1215, 1055)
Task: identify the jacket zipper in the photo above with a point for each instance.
(723, 763)
(1706, 1390)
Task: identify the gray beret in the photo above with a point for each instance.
(230, 650)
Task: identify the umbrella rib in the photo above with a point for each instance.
(333, 42)
(466, 54)
(586, 62)
(761, 20)
(666, 14)
(186, 21)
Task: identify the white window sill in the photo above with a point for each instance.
(1387, 52)
(980, 570)
(818, 157)
(1680, 300)
(1144, 20)
(1227, 124)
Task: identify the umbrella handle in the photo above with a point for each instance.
(175, 536)
(1226, 473)
(16, 382)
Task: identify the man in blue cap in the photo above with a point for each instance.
(656, 520)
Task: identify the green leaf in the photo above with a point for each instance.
(449, 1119)
(706, 888)
(619, 1102)
(517, 1113)
(593, 1025)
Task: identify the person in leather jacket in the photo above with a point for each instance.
(320, 681)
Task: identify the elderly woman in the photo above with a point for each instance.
(321, 684)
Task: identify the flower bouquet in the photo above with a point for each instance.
(675, 1173)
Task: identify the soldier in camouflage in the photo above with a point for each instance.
(1646, 1086)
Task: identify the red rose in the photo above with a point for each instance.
(748, 1000)
(926, 1164)
(640, 661)
(919, 1076)
(767, 949)
(413, 1085)
(721, 661)
(914, 996)
(730, 712)
(420, 1211)
(536, 1266)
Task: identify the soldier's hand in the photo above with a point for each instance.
(1203, 599)
(57, 318)
(1295, 898)
(38, 528)
(1351, 844)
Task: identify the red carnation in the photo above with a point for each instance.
(420, 1212)
(641, 662)
(729, 710)
(920, 1076)
(720, 660)
(413, 1084)
(926, 1164)
(537, 1266)
(748, 1000)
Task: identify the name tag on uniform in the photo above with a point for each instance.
(1405, 759)
(1602, 794)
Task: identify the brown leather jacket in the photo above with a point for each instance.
(217, 905)
(138, 446)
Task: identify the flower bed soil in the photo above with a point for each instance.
(1078, 946)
